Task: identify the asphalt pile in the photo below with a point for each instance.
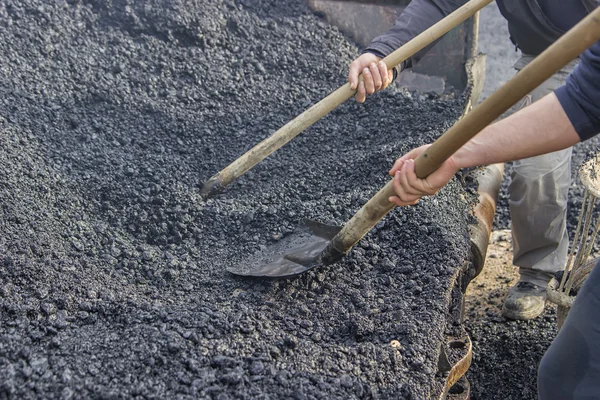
(112, 268)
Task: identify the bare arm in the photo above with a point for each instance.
(541, 128)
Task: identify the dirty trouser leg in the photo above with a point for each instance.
(538, 201)
(570, 369)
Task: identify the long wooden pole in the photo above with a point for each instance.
(326, 105)
(567, 48)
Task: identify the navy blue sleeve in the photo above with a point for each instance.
(416, 17)
(580, 96)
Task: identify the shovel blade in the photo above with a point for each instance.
(293, 255)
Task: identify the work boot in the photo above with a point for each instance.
(524, 301)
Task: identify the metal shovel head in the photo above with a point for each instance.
(292, 255)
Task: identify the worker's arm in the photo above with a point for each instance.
(541, 128)
(557, 121)
(416, 17)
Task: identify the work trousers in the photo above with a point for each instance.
(570, 369)
(538, 200)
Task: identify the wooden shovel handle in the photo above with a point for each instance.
(567, 48)
(326, 105)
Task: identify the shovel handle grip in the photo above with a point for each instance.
(303, 121)
(565, 49)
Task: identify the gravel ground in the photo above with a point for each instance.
(112, 281)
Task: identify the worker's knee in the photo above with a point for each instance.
(548, 377)
(571, 366)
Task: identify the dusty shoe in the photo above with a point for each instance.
(524, 301)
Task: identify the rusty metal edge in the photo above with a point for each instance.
(455, 317)
(489, 179)
(459, 369)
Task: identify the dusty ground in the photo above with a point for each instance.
(485, 294)
(506, 353)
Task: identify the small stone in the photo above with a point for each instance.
(82, 315)
(346, 381)
(115, 251)
(66, 394)
(48, 308)
(39, 365)
(25, 353)
(290, 342)
(233, 378)
(387, 264)
(61, 319)
(26, 371)
(223, 361)
(67, 375)
(173, 347)
(55, 343)
(305, 323)
(257, 368)
(77, 244)
(93, 370)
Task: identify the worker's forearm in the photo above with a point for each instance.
(540, 128)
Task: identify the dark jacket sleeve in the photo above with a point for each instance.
(416, 17)
(580, 96)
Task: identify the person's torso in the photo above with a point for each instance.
(536, 24)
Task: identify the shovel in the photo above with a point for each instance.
(293, 128)
(318, 244)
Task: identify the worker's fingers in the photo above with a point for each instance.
(402, 197)
(414, 185)
(403, 190)
(361, 93)
(368, 80)
(411, 185)
(353, 72)
(400, 203)
(396, 167)
(385, 74)
(414, 153)
(377, 78)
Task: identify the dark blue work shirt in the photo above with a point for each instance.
(580, 96)
(564, 14)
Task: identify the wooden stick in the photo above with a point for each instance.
(565, 49)
(323, 107)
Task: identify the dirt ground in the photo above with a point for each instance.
(506, 354)
(485, 294)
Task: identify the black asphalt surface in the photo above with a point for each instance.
(112, 268)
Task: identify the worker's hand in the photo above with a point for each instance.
(408, 188)
(375, 74)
